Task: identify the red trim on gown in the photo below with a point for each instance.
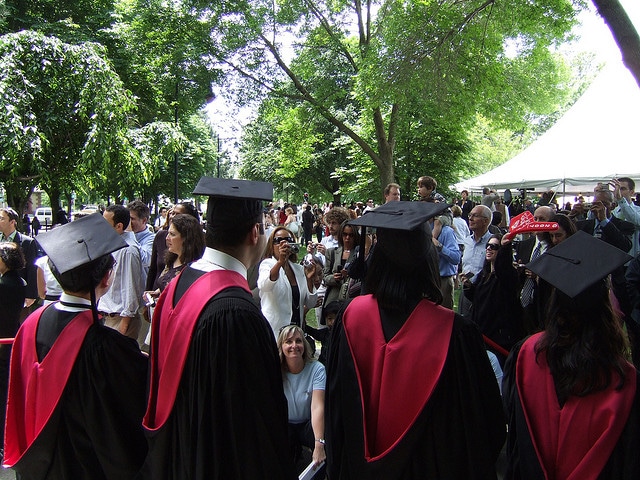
(175, 328)
(36, 387)
(387, 372)
(575, 441)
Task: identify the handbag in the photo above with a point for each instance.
(344, 291)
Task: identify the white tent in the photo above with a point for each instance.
(596, 140)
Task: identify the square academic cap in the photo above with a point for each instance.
(400, 215)
(234, 188)
(80, 242)
(577, 263)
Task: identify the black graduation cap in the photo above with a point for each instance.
(232, 201)
(80, 242)
(402, 230)
(234, 188)
(404, 216)
(577, 263)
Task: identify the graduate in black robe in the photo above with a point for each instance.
(570, 394)
(77, 388)
(216, 406)
(410, 390)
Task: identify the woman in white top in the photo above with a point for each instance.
(285, 287)
(304, 384)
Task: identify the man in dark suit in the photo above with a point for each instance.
(603, 225)
(8, 233)
(465, 205)
(533, 296)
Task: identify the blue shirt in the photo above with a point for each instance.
(449, 255)
(299, 387)
(474, 253)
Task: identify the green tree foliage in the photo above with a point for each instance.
(196, 153)
(63, 114)
(160, 53)
(451, 59)
(163, 53)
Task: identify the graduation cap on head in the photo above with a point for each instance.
(232, 201)
(404, 216)
(234, 188)
(397, 224)
(578, 263)
(79, 242)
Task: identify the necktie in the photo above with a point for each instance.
(529, 284)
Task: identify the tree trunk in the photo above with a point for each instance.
(386, 145)
(54, 201)
(17, 199)
(624, 33)
(337, 196)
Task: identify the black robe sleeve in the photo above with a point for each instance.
(96, 429)
(229, 420)
(458, 434)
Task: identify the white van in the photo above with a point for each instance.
(44, 215)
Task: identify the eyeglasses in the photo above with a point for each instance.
(476, 215)
(277, 240)
(347, 234)
(493, 246)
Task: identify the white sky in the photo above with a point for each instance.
(594, 37)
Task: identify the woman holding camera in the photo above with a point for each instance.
(285, 286)
(338, 260)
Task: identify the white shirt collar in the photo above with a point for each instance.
(65, 297)
(217, 260)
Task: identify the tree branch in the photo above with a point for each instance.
(324, 111)
(624, 33)
(327, 27)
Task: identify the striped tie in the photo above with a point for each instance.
(529, 284)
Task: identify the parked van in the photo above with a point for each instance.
(45, 216)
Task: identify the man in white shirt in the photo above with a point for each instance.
(162, 218)
(139, 213)
(121, 303)
(475, 247)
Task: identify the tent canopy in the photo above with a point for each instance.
(595, 141)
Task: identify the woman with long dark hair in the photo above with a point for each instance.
(410, 391)
(570, 392)
(185, 244)
(496, 297)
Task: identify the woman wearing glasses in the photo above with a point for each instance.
(338, 260)
(495, 296)
(285, 286)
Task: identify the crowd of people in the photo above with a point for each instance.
(188, 349)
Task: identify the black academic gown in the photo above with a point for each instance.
(95, 431)
(523, 462)
(229, 419)
(457, 435)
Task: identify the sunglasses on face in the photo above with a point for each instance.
(277, 240)
(493, 246)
